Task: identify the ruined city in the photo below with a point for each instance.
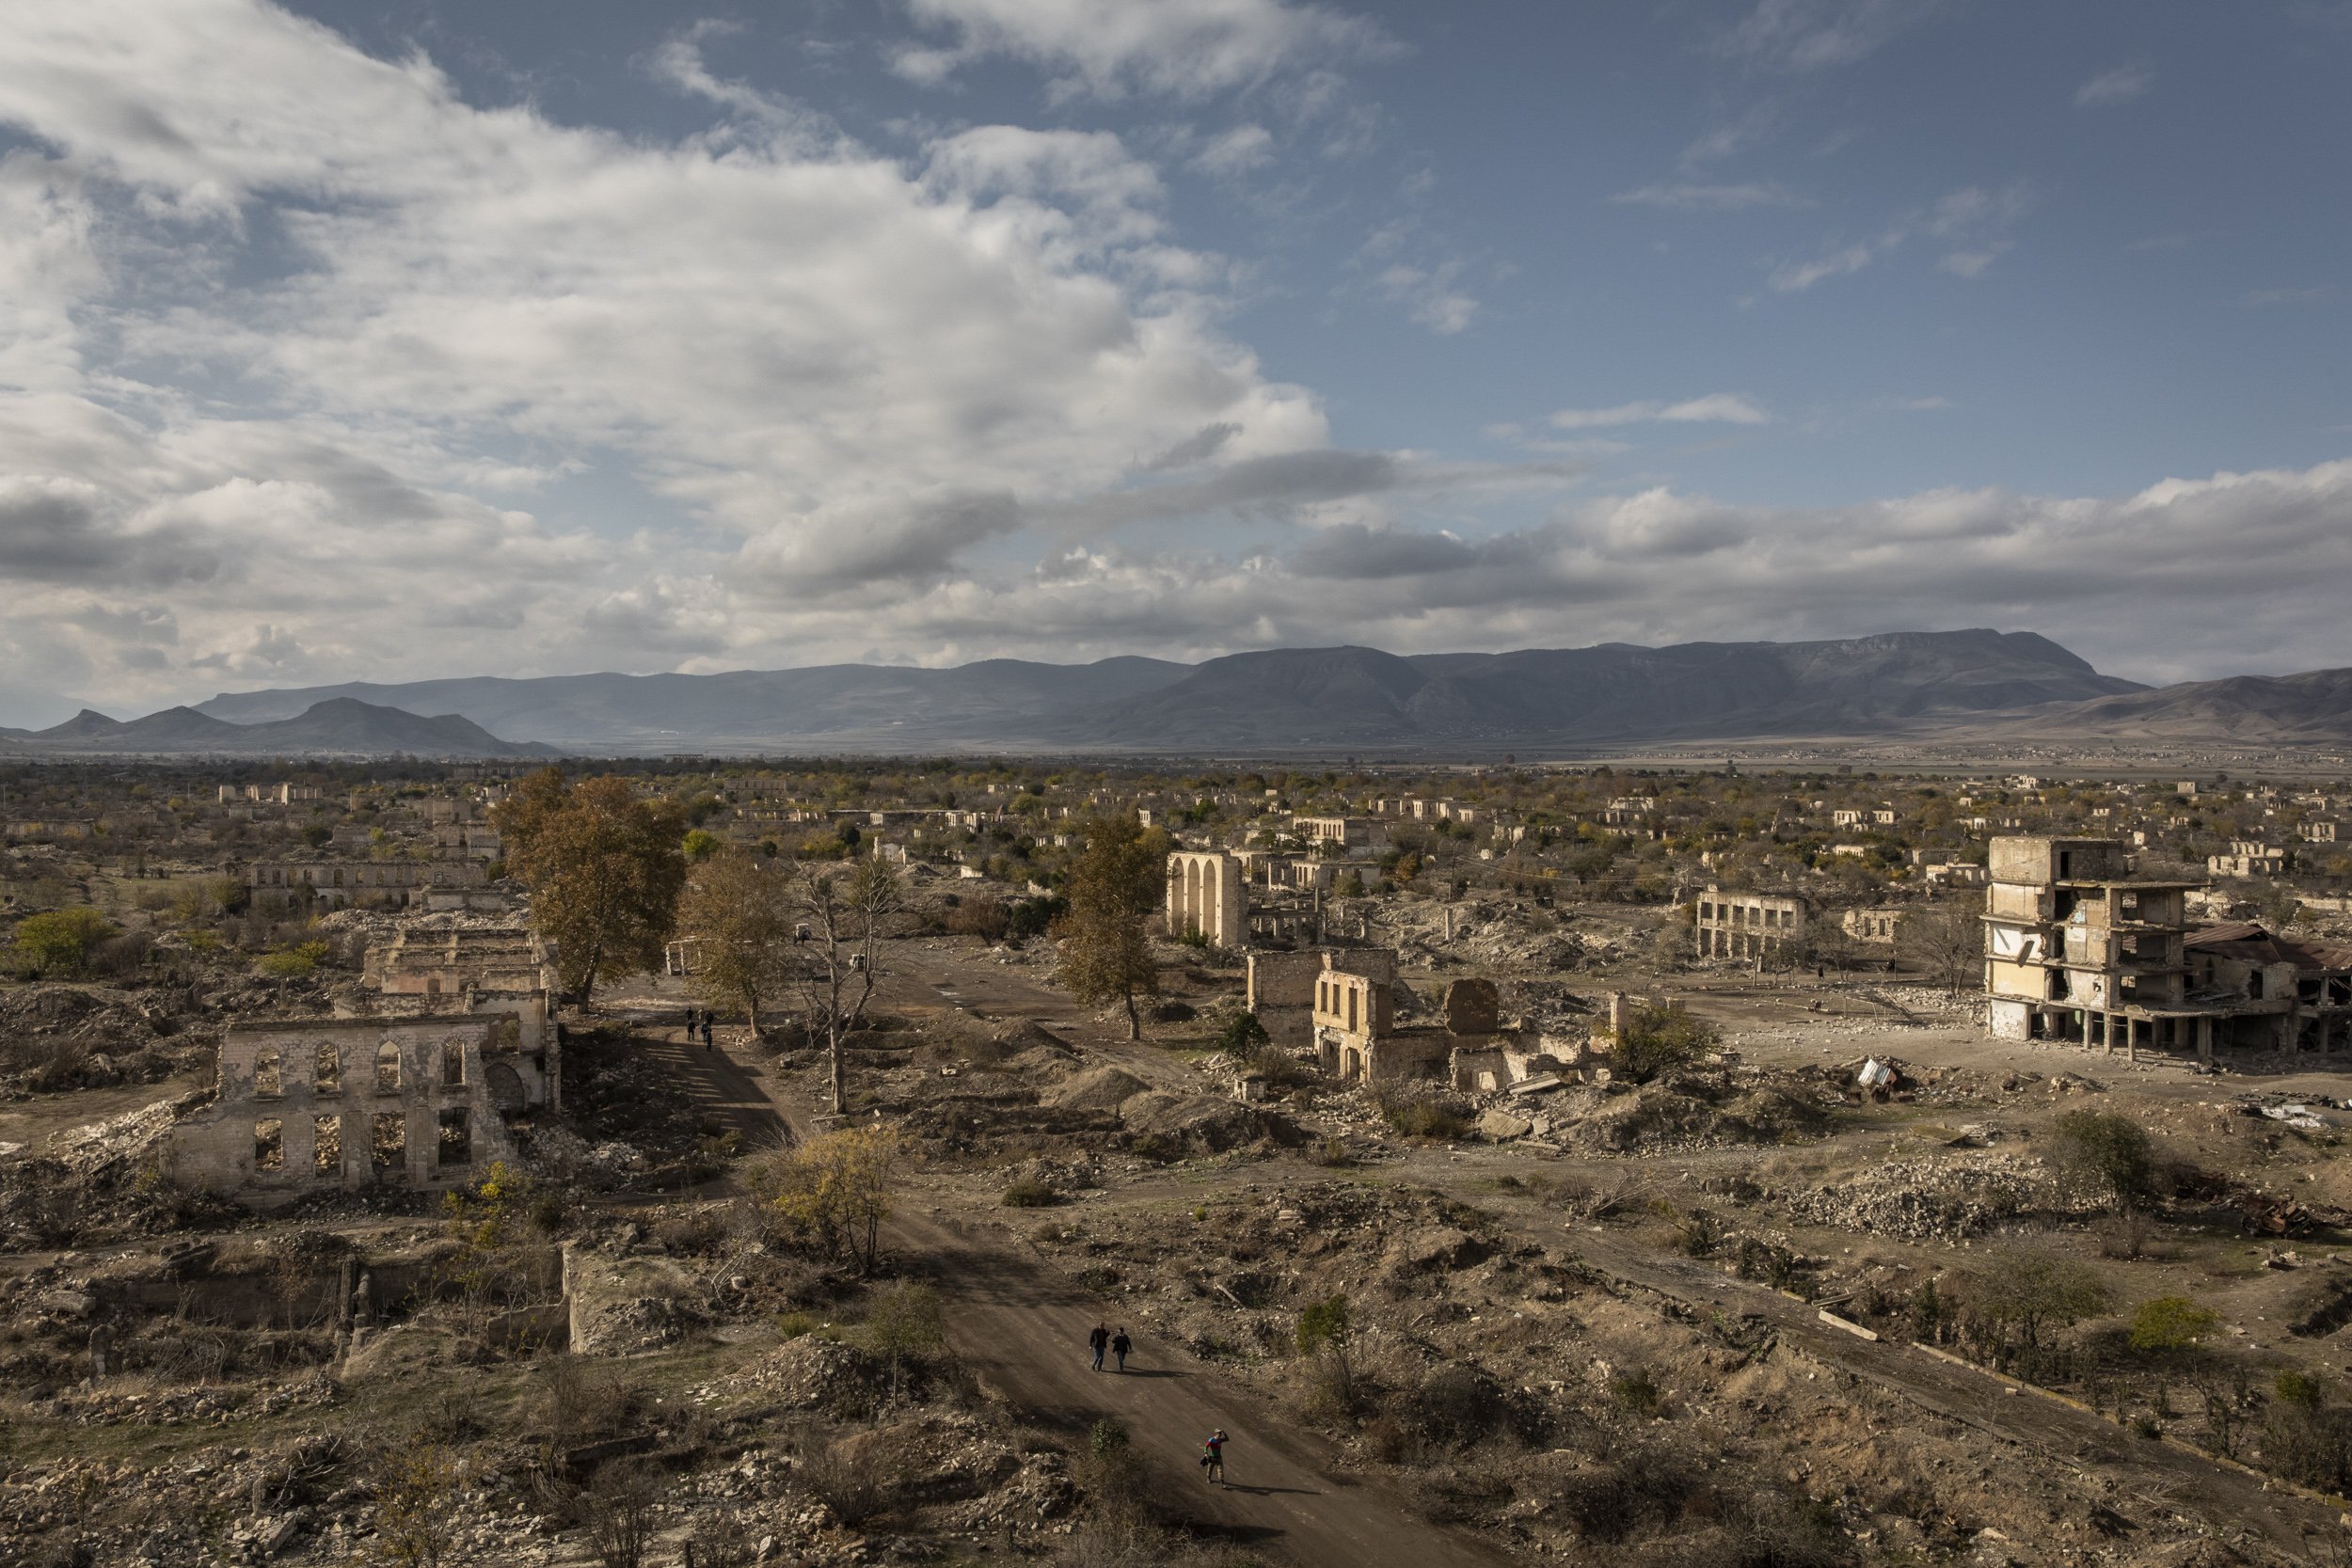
(1175, 784)
(732, 1161)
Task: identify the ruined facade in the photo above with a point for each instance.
(2279, 993)
(1207, 895)
(1282, 994)
(304, 1103)
(1875, 927)
(335, 884)
(1751, 926)
(505, 970)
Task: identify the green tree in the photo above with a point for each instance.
(1114, 887)
(603, 867)
(2111, 1149)
(59, 943)
(701, 844)
(737, 913)
(905, 1324)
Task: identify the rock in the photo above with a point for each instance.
(1501, 1126)
(1441, 1247)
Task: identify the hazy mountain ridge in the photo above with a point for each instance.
(341, 726)
(1911, 686)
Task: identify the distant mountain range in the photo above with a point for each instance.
(335, 726)
(1973, 686)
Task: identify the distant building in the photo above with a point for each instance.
(1749, 927)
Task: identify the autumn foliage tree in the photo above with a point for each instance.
(604, 868)
(1106, 954)
(737, 913)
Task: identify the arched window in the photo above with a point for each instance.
(268, 1082)
(388, 1069)
(326, 1068)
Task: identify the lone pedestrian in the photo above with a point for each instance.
(1121, 1345)
(1213, 1458)
(1098, 1342)
(707, 1044)
(689, 1025)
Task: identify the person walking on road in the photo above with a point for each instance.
(1121, 1345)
(706, 1045)
(1098, 1342)
(1213, 1458)
(689, 1025)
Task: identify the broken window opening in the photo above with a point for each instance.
(388, 1069)
(387, 1140)
(327, 1071)
(457, 1146)
(452, 1065)
(326, 1146)
(268, 1081)
(269, 1145)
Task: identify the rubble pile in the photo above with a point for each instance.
(1945, 1199)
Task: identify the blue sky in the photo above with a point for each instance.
(358, 339)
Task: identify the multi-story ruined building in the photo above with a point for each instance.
(2076, 948)
(1752, 927)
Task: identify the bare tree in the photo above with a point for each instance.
(1946, 941)
(843, 917)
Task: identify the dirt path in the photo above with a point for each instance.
(1021, 1324)
(1022, 1327)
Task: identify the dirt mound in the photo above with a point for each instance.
(1691, 1111)
(54, 1037)
(1102, 1088)
(1197, 1119)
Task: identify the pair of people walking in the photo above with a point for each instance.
(1103, 1339)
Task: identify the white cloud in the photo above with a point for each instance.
(1235, 151)
(1686, 197)
(1431, 296)
(1797, 277)
(1813, 35)
(772, 334)
(1714, 409)
(2119, 86)
(1186, 48)
(1975, 220)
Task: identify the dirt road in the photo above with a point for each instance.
(1022, 1327)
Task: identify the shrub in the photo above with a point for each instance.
(292, 963)
(982, 917)
(1418, 1115)
(1242, 1036)
(1659, 1038)
(2111, 1149)
(2170, 1325)
(1030, 1192)
(1636, 1393)
(851, 1478)
(59, 942)
(1324, 1322)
